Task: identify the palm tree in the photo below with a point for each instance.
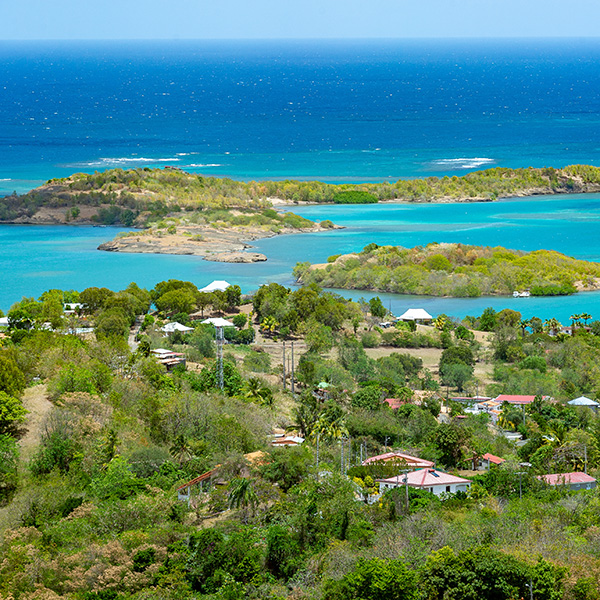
(242, 495)
(552, 325)
(257, 391)
(574, 322)
(586, 317)
(181, 450)
(524, 324)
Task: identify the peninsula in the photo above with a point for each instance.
(456, 270)
(175, 212)
(183, 213)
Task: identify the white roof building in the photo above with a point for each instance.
(3, 321)
(583, 401)
(218, 322)
(216, 285)
(416, 314)
(175, 326)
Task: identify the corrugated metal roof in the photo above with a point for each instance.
(566, 478)
(426, 478)
(399, 457)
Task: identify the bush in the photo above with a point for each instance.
(370, 339)
(355, 197)
(257, 362)
(374, 579)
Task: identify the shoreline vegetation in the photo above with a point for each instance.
(184, 213)
(455, 270)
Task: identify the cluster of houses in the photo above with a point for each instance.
(493, 406)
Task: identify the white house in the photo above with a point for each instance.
(175, 326)
(583, 401)
(416, 314)
(218, 322)
(430, 480)
(217, 285)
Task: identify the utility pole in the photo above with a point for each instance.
(293, 392)
(318, 436)
(219, 332)
(585, 458)
(283, 362)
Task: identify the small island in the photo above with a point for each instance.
(456, 270)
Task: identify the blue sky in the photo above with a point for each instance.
(239, 19)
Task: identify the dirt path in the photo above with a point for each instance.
(35, 400)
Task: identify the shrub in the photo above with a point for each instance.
(257, 362)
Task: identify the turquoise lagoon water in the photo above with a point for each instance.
(36, 258)
(338, 111)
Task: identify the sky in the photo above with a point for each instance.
(273, 19)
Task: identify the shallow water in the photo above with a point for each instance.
(36, 258)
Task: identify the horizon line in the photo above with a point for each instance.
(298, 39)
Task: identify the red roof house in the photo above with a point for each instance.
(575, 480)
(515, 398)
(487, 460)
(431, 480)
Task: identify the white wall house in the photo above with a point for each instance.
(430, 480)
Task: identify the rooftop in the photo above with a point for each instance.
(493, 459)
(515, 398)
(426, 478)
(566, 478)
(400, 457)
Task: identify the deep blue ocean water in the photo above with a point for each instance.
(335, 111)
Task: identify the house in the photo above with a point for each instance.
(583, 401)
(470, 399)
(395, 403)
(574, 480)
(285, 441)
(487, 460)
(430, 480)
(168, 358)
(412, 462)
(218, 322)
(202, 483)
(418, 315)
(70, 308)
(3, 321)
(217, 285)
(184, 492)
(174, 326)
(517, 399)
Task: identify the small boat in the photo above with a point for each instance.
(524, 294)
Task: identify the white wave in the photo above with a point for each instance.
(123, 160)
(137, 159)
(6, 179)
(185, 153)
(204, 165)
(463, 163)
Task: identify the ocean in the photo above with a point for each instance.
(338, 111)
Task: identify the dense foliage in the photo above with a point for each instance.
(122, 196)
(453, 270)
(91, 508)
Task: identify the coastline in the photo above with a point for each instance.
(212, 244)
